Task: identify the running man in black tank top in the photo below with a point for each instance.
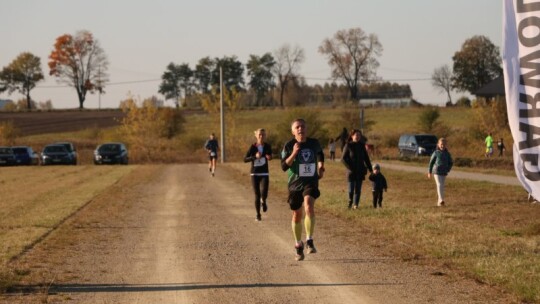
(303, 159)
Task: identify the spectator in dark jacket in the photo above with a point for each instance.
(356, 160)
(343, 136)
(378, 183)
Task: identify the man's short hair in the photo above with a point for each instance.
(298, 120)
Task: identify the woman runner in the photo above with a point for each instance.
(259, 154)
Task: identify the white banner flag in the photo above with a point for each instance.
(521, 64)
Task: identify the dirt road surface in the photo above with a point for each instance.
(182, 236)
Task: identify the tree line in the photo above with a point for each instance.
(274, 78)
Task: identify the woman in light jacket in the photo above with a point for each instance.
(440, 165)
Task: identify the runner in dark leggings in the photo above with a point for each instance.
(259, 154)
(212, 148)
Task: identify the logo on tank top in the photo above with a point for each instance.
(307, 156)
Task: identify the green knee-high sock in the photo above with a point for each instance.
(297, 231)
(309, 222)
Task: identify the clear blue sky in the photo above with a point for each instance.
(141, 38)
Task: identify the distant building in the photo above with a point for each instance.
(493, 89)
(386, 102)
(4, 102)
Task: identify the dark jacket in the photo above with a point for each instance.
(356, 159)
(258, 167)
(378, 182)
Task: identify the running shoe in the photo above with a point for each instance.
(310, 247)
(264, 207)
(258, 218)
(299, 251)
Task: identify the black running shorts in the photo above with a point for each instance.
(296, 198)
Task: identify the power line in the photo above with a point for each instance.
(108, 83)
(154, 80)
(381, 80)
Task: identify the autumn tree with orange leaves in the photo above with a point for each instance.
(80, 62)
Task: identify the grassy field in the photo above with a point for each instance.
(35, 200)
(488, 232)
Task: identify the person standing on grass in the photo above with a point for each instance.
(212, 148)
(489, 145)
(303, 159)
(259, 154)
(356, 160)
(343, 138)
(440, 165)
(378, 183)
(332, 149)
(501, 147)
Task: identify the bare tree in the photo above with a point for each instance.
(351, 55)
(80, 62)
(442, 80)
(287, 66)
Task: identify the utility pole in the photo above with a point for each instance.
(221, 115)
(362, 119)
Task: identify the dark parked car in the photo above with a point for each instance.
(111, 153)
(25, 156)
(56, 154)
(71, 149)
(417, 144)
(7, 157)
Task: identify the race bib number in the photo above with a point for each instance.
(212, 153)
(259, 162)
(307, 170)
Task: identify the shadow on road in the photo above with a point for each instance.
(93, 288)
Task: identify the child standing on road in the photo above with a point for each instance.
(378, 182)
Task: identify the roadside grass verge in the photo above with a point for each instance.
(35, 200)
(487, 232)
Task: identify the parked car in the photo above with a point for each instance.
(56, 154)
(7, 157)
(111, 153)
(71, 149)
(25, 156)
(417, 144)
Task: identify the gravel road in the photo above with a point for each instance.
(187, 237)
